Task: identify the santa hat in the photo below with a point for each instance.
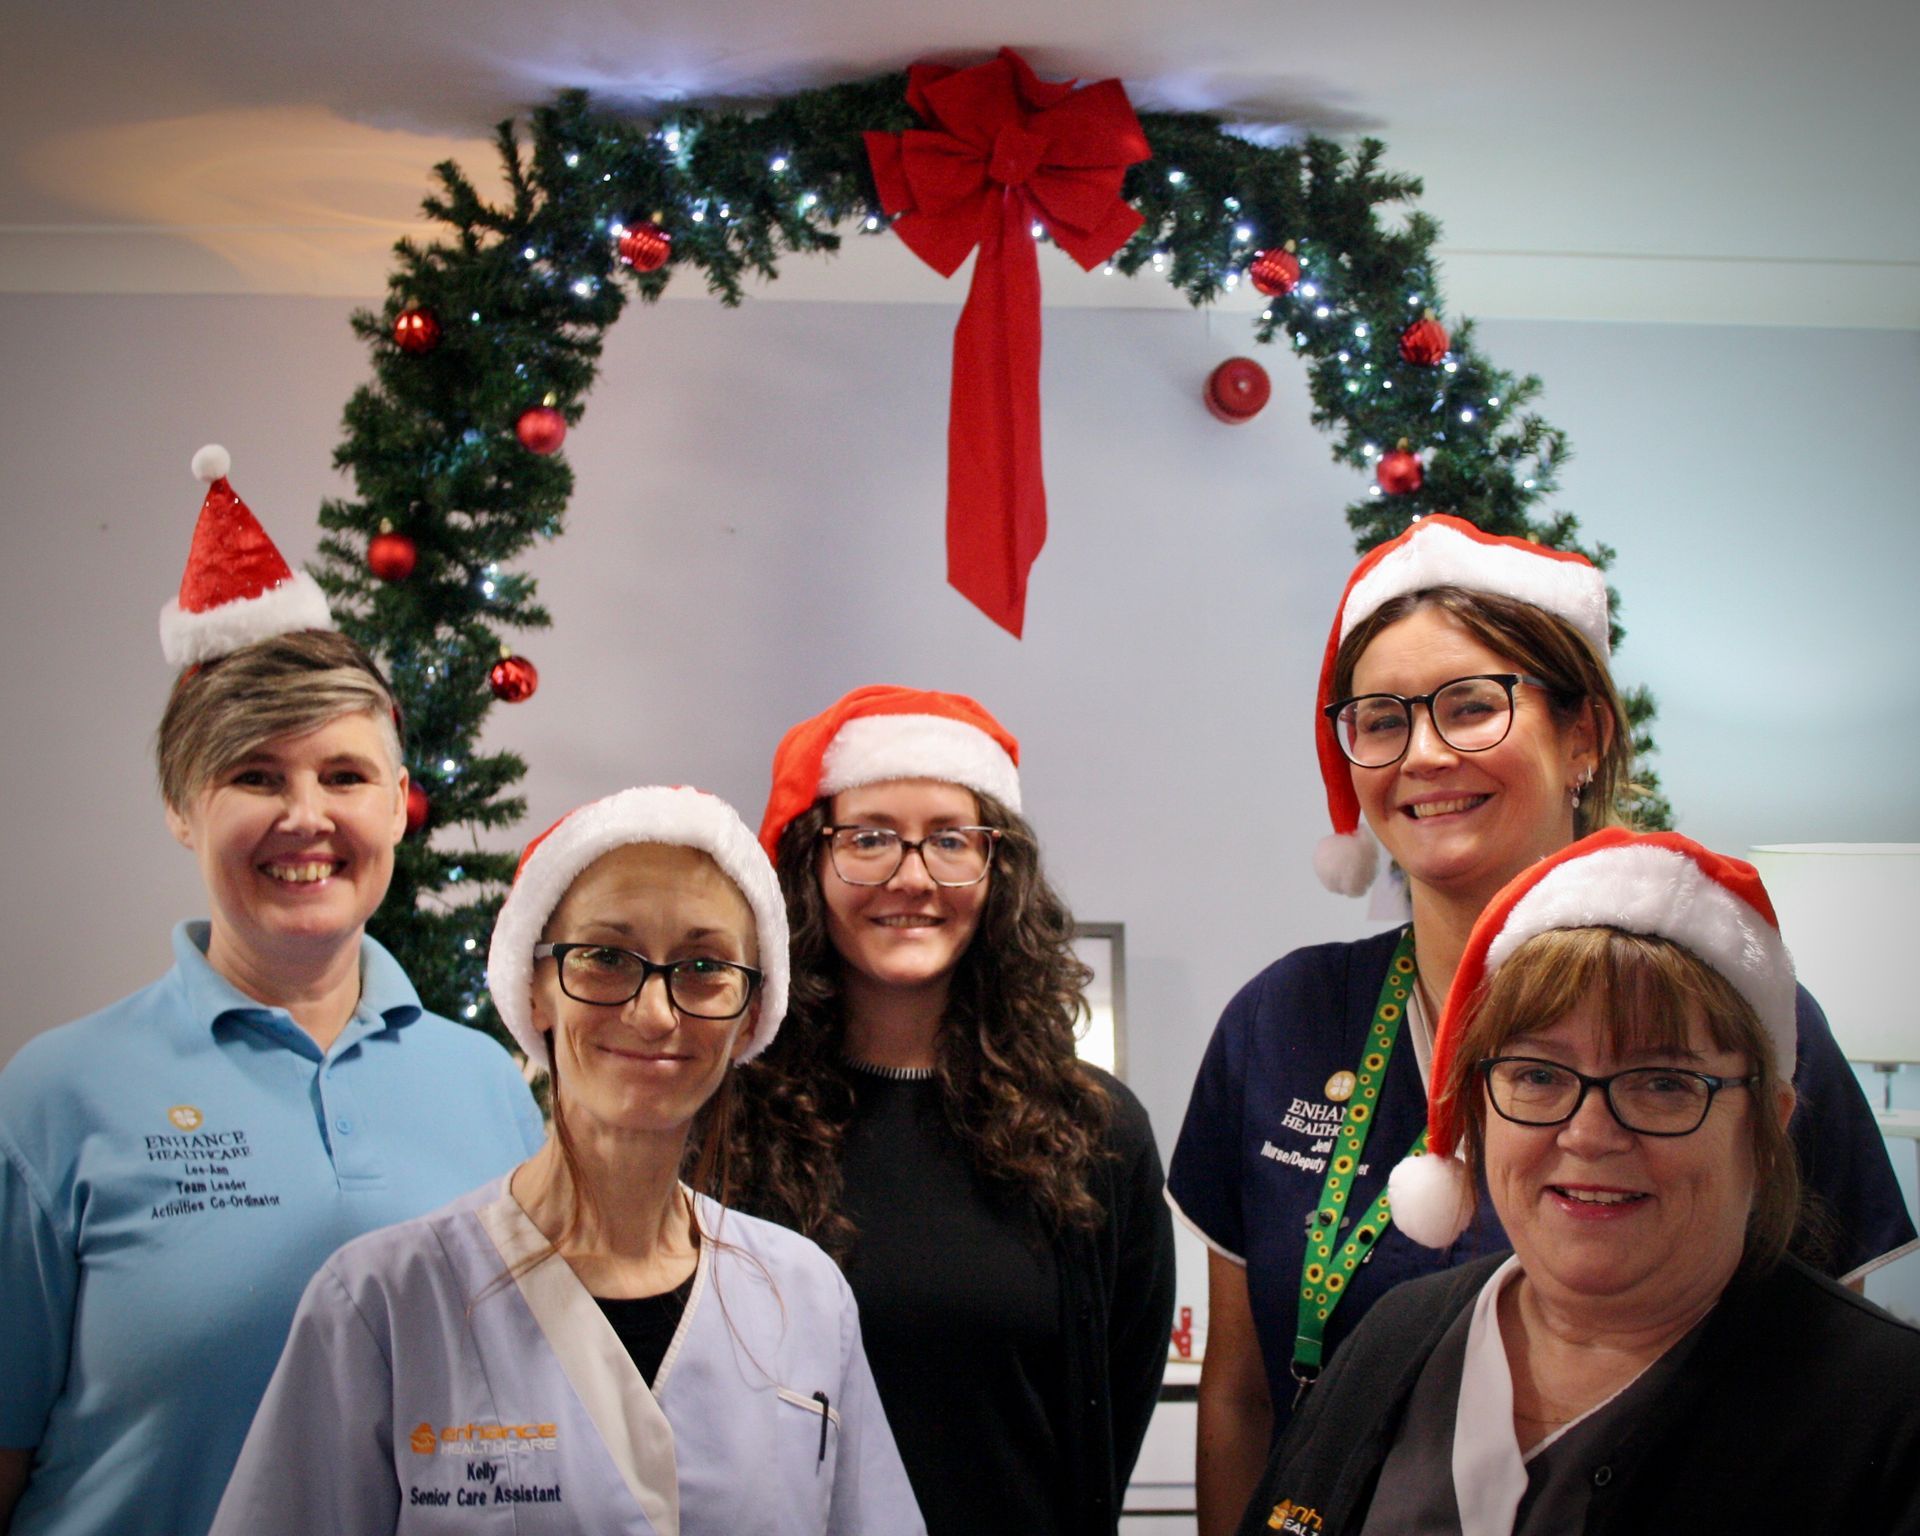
(237, 589)
(883, 732)
(1437, 551)
(675, 817)
(1658, 883)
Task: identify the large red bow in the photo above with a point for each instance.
(1005, 150)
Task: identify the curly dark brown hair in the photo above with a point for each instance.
(1031, 1117)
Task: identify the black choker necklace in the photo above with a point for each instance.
(897, 1074)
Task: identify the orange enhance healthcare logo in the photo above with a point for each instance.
(1289, 1516)
(468, 1439)
(184, 1117)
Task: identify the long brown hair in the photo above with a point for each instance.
(1031, 1117)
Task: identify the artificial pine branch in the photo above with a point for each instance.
(524, 290)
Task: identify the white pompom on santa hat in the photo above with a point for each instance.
(238, 589)
(674, 816)
(885, 732)
(1656, 883)
(1437, 551)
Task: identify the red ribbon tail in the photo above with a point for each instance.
(996, 496)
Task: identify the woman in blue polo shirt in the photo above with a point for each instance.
(1467, 715)
(176, 1167)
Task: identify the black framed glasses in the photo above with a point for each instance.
(1649, 1101)
(609, 976)
(952, 856)
(1471, 714)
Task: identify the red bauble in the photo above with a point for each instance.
(513, 679)
(391, 556)
(418, 807)
(416, 331)
(646, 246)
(1237, 390)
(541, 429)
(1399, 472)
(1275, 273)
(1425, 342)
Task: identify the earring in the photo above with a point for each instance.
(1580, 784)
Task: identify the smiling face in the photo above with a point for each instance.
(1461, 824)
(295, 844)
(908, 934)
(641, 1067)
(1611, 1222)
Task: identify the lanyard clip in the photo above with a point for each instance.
(1306, 1375)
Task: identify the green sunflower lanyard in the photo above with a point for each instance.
(1324, 1272)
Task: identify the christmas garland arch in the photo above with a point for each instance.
(490, 336)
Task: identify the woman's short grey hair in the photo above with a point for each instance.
(223, 711)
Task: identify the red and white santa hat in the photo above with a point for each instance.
(238, 589)
(883, 732)
(677, 817)
(1656, 883)
(1437, 551)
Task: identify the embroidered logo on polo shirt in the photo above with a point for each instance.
(1298, 1518)
(203, 1169)
(1340, 1086)
(423, 1440)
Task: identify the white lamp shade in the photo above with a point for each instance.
(1847, 912)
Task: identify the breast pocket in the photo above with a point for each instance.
(808, 1435)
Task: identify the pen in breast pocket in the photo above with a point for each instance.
(821, 1399)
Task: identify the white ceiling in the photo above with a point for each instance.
(1741, 161)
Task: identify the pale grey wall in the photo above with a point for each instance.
(758, 522)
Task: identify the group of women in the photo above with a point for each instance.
(831, 1231)
(251, 1281)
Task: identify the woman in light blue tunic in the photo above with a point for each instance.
(175, 1167)
(587, 1345)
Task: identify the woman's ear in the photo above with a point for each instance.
(741, 1036)
(1589, 737)
(1783, 1101)
(400, 785)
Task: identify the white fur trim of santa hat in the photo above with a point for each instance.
(1658, 891)
(1438, 554)
(187, 639)
(872, 749)
(676, 817)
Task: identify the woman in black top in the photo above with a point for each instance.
(995, 1202)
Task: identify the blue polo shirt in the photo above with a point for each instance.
(173, 1170)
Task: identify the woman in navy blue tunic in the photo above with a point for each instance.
(1467, 715)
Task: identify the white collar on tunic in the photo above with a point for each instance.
(1489, 1473)
(625, 1412)
(1420, 1027)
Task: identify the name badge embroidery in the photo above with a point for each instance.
(209, 1169)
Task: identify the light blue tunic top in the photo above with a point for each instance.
(173, 1170)
(427, 1387)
